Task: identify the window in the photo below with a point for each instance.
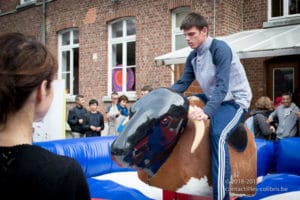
(122, 39)
(27, 1)
(178, 40)
(282, 75)
(283, 81)
(25, 4)
(283, 8)
(68, 48)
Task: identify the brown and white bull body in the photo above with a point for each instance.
(188, 167)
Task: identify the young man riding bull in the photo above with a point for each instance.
(226, 91)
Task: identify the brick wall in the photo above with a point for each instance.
(8, 5)
(229, 17)
(255, 13)
(256, 73)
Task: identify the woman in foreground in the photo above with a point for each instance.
(27, 70)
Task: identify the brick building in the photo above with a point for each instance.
(108, 45)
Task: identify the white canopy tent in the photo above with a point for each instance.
(277, 41)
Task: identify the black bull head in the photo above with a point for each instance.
(155, 123)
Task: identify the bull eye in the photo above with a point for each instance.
(165, 122)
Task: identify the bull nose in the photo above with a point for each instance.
(117, 148)
(121, 157)
(117, 151)
(119, 160)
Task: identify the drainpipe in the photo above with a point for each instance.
(214, 18)
(43, 28)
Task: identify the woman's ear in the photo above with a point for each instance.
(44, 96)
(42, 91)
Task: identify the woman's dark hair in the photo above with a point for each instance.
(264, 103)
(123, 98)
(193, 19)
(24, 64)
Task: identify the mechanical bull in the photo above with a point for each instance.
(171, 152)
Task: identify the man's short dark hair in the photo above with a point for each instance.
(93, 101)
(147, 88)
(114, 93)
(194, 19)
(78, 96)
(287, 94)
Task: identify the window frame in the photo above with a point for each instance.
(63, 48)
(285, 12)
(124, 40)
(176, 30)
(291, 68)
(288, 63)
(22, 2)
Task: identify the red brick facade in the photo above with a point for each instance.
(153, 34)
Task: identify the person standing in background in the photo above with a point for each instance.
(76, 117)
(94, 121)
(27, 171)
(113, 114)
(124, 112)
(263, 108)
(122, 106)
(287, 114)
